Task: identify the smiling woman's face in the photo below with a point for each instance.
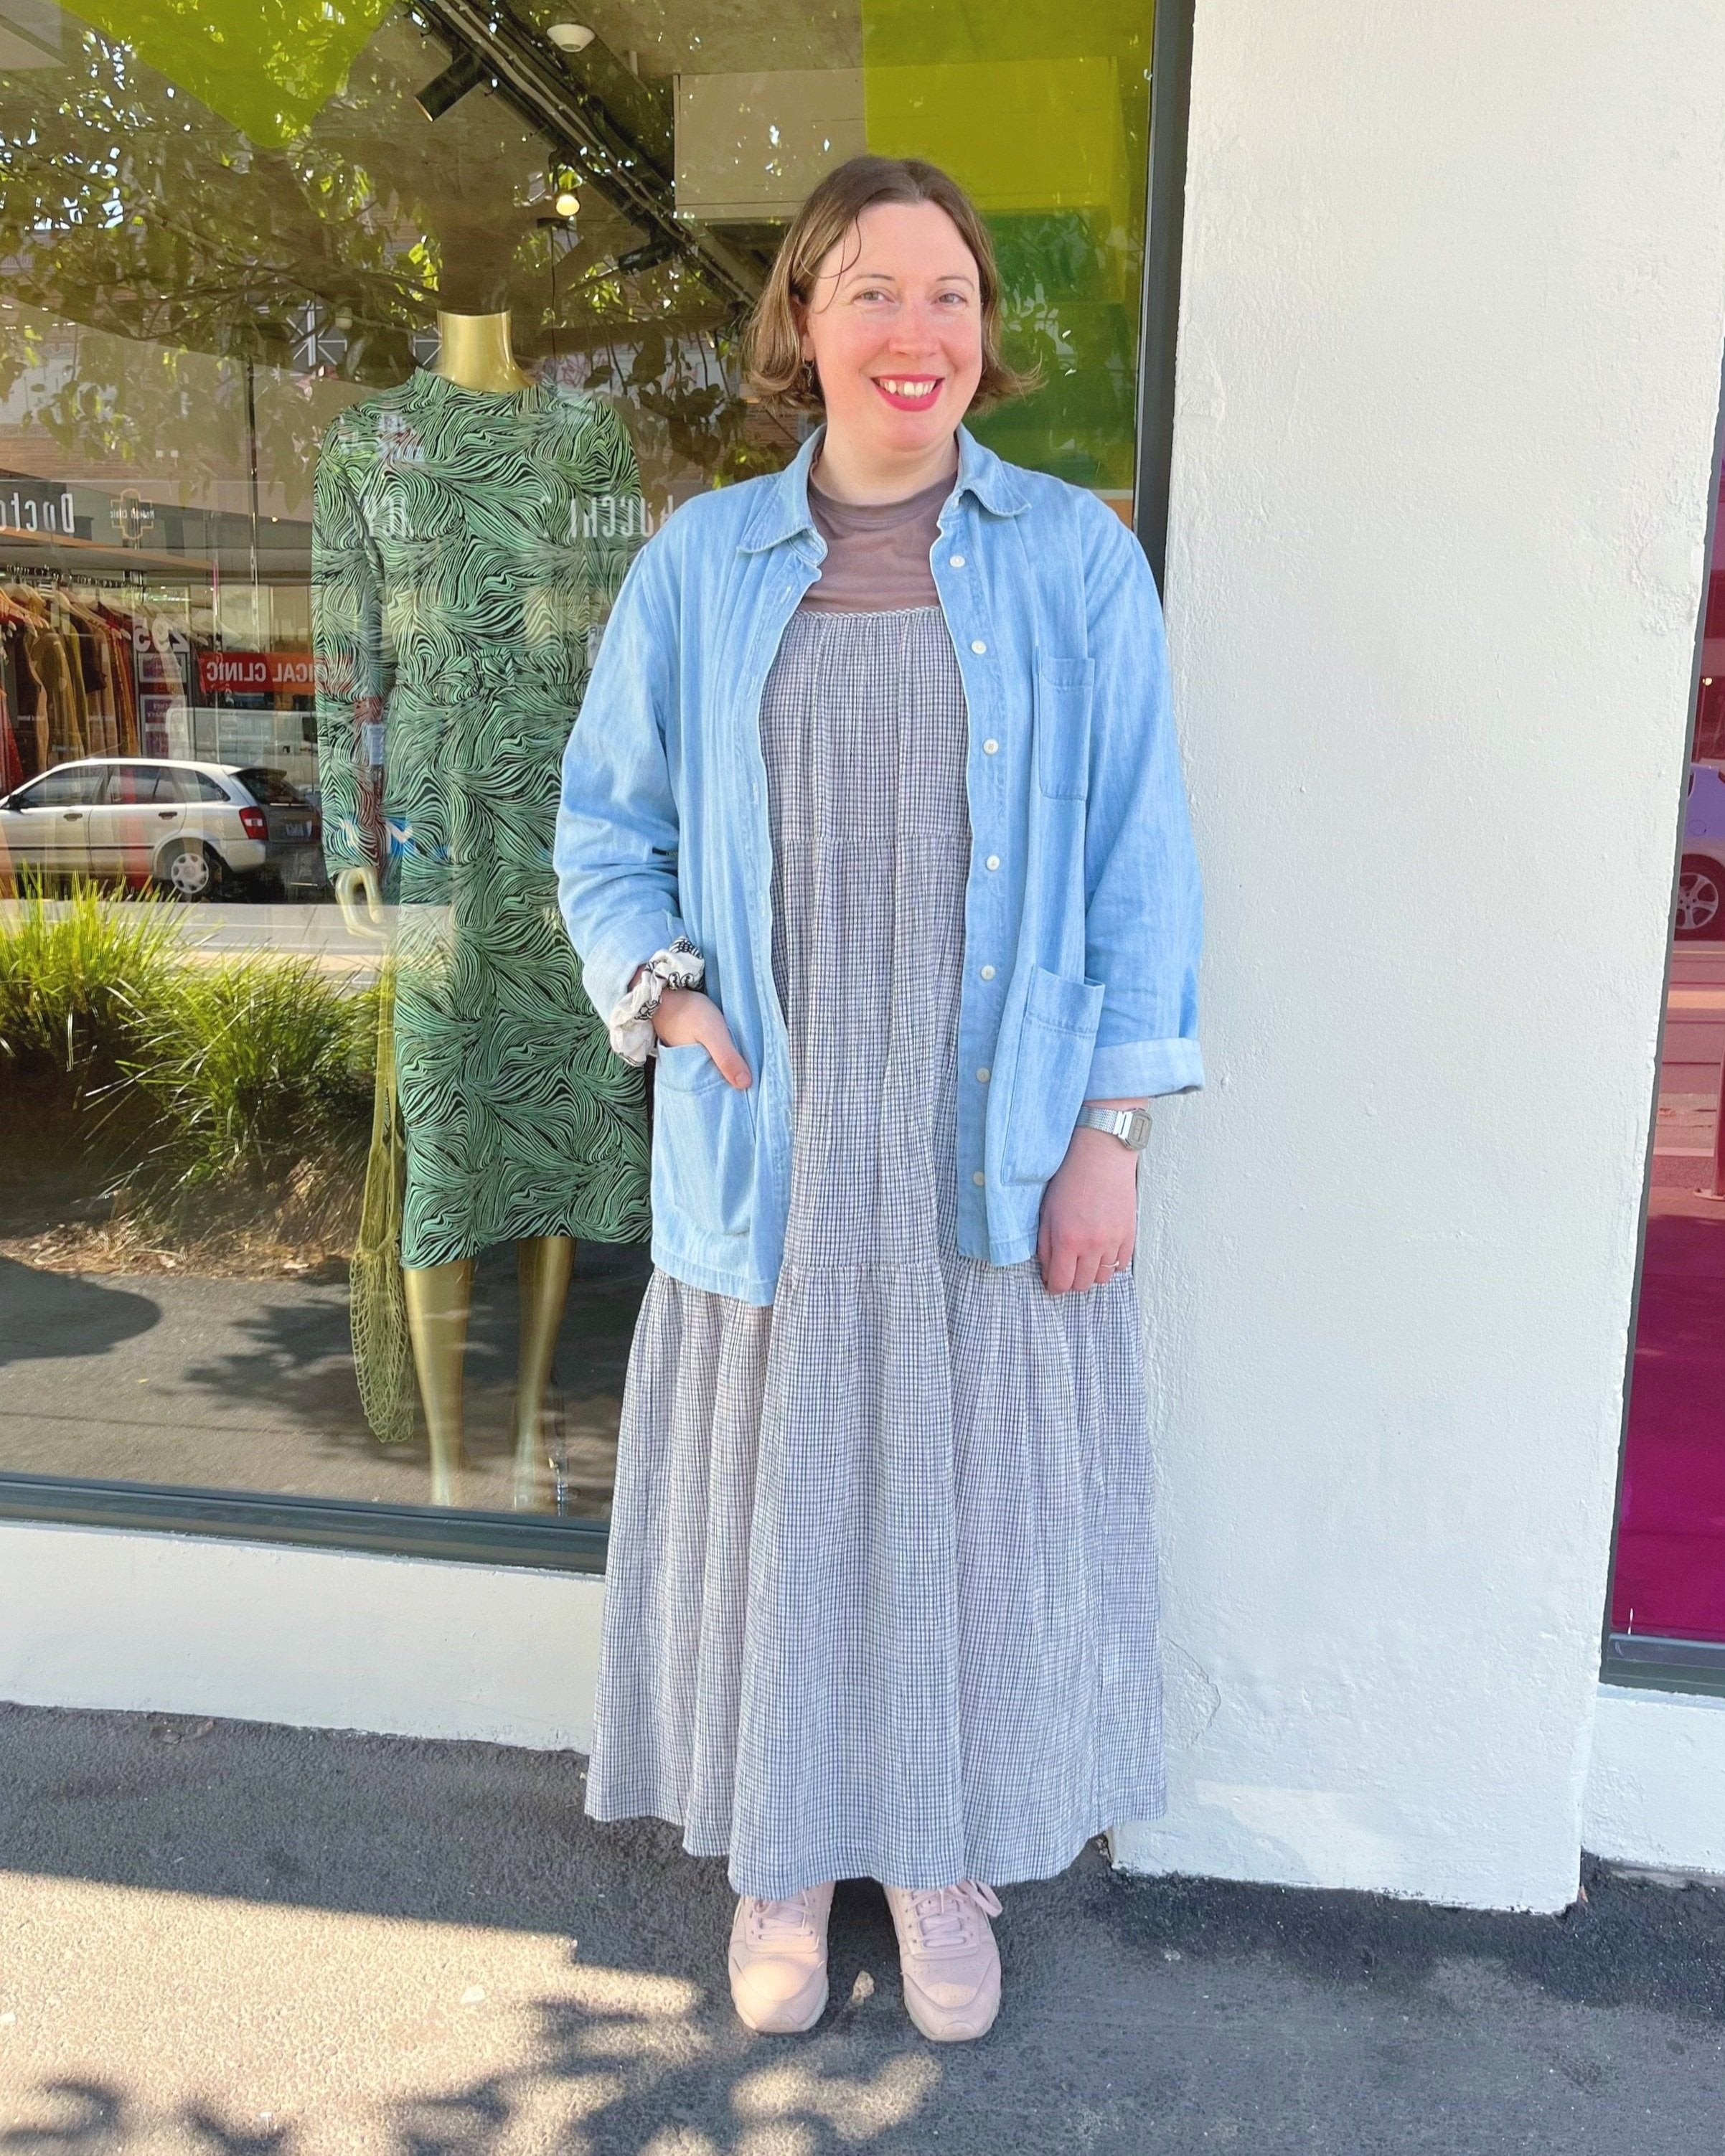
(895, 329)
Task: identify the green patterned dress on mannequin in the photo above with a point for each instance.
(466, 547)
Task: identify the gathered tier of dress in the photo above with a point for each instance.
(881, 1589)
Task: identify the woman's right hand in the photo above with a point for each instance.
(685, 1015)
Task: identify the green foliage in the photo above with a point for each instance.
(75, 976)
(1062, 275)
(118, 212)
(226, 1077)
(250, 1068)
(268, 66)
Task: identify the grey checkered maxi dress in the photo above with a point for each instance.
(881, 1594)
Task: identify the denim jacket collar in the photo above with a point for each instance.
(782, 511)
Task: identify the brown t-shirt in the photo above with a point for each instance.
(877, 551)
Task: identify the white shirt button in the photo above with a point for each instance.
(982, 1074)
(989, 747)
(978, 645)
(978, 1177)
(987, 972)
(993, 861)
(957, 562)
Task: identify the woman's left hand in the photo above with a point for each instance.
(1089, 1214)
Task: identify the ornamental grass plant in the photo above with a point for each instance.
(249, 1067)
(194, 1096)
(75, 975)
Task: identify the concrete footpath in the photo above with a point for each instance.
(222, 1937)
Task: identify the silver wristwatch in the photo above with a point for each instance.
(1130, 1126)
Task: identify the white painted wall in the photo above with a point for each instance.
(1655, 1785)
(322, 1639)
(1455, 297)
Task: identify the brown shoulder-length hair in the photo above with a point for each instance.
(775, 373)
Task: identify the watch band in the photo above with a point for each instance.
(1130, 1126)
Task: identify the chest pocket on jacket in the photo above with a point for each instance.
(1063, 696)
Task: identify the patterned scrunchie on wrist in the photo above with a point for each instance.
(679, 965)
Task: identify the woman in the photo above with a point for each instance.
(873, 831)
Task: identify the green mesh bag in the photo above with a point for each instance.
(382, 1348)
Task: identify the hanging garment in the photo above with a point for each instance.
(96, 671)
(51, 661)
(65, 632)
(461, 571)
(29, 706)
(12, 766)
(118, 630)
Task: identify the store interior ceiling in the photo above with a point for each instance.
(209, 244)
(133, 206)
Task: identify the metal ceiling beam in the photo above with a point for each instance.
(583, 130)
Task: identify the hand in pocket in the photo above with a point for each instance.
(687, 1017)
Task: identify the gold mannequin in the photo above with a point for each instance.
(476, 353)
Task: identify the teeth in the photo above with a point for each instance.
(896, 389)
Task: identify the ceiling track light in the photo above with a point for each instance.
(466, 72)
(580, 125)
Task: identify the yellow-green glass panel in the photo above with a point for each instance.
(269, 66)
(1042, 111)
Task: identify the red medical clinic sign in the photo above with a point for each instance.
(253, 673)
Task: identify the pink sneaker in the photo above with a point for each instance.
(778, 1960)
(946, 1953)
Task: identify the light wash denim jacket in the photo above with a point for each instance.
(1082, 899)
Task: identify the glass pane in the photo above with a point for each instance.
(272, 787)
(1042, 110)
(130, 785)
(269, 511)
(61, 789)
(1669, 1578)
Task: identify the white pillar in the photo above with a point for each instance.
(1449, 369)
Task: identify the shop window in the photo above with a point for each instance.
(301, 574)
(1667, 1613)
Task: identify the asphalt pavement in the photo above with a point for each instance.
(248, 1385)
(219, 1936)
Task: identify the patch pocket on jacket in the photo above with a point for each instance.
(1061, 1017)
(1063, 697)
(703, 1144)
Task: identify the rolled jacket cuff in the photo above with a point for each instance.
(630, 1021)
(607, 964)
(1122, 1069)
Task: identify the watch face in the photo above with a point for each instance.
(1130, 1126)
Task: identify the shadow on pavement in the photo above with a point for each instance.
(1139, 2016)
(296, 1362)
(45, 1315)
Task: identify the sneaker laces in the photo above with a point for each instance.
(788, 1918)
(945, 1916)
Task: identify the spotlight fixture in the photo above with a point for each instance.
(570, 37)
(466, 72)
(567, 203)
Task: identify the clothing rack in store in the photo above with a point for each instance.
(84, 580)
(88, 667)
(62, 556)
